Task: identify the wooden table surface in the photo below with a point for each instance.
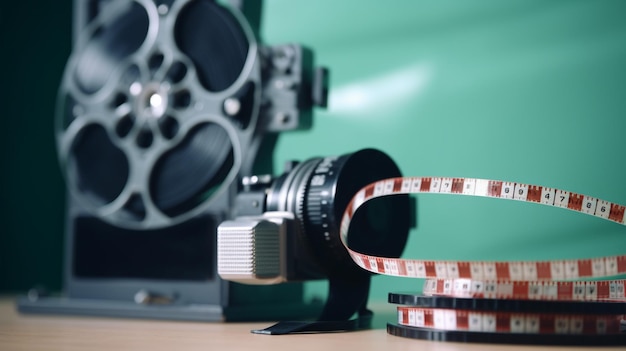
(46, 332)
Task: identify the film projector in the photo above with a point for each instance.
(165, 106)
(168, 113)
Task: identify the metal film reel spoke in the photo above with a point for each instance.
(221, 53)
(214, 41)
(122, 103)
(118, 33)
(145, 101)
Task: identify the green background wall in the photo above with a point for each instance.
(527, 91)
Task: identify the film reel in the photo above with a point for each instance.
(529, 302)
(506, 338)
(156, 105)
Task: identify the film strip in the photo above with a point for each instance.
(605, 290)
(509, 322)
(564, 302)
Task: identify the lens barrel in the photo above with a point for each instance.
(318, 190)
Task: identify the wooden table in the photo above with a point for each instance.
(45, 332)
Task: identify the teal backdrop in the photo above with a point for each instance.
(519, 90)
(525, 91)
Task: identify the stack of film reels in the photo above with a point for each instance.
(559, 302)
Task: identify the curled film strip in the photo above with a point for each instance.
(503, 290)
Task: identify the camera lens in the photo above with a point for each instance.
(318, 190)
